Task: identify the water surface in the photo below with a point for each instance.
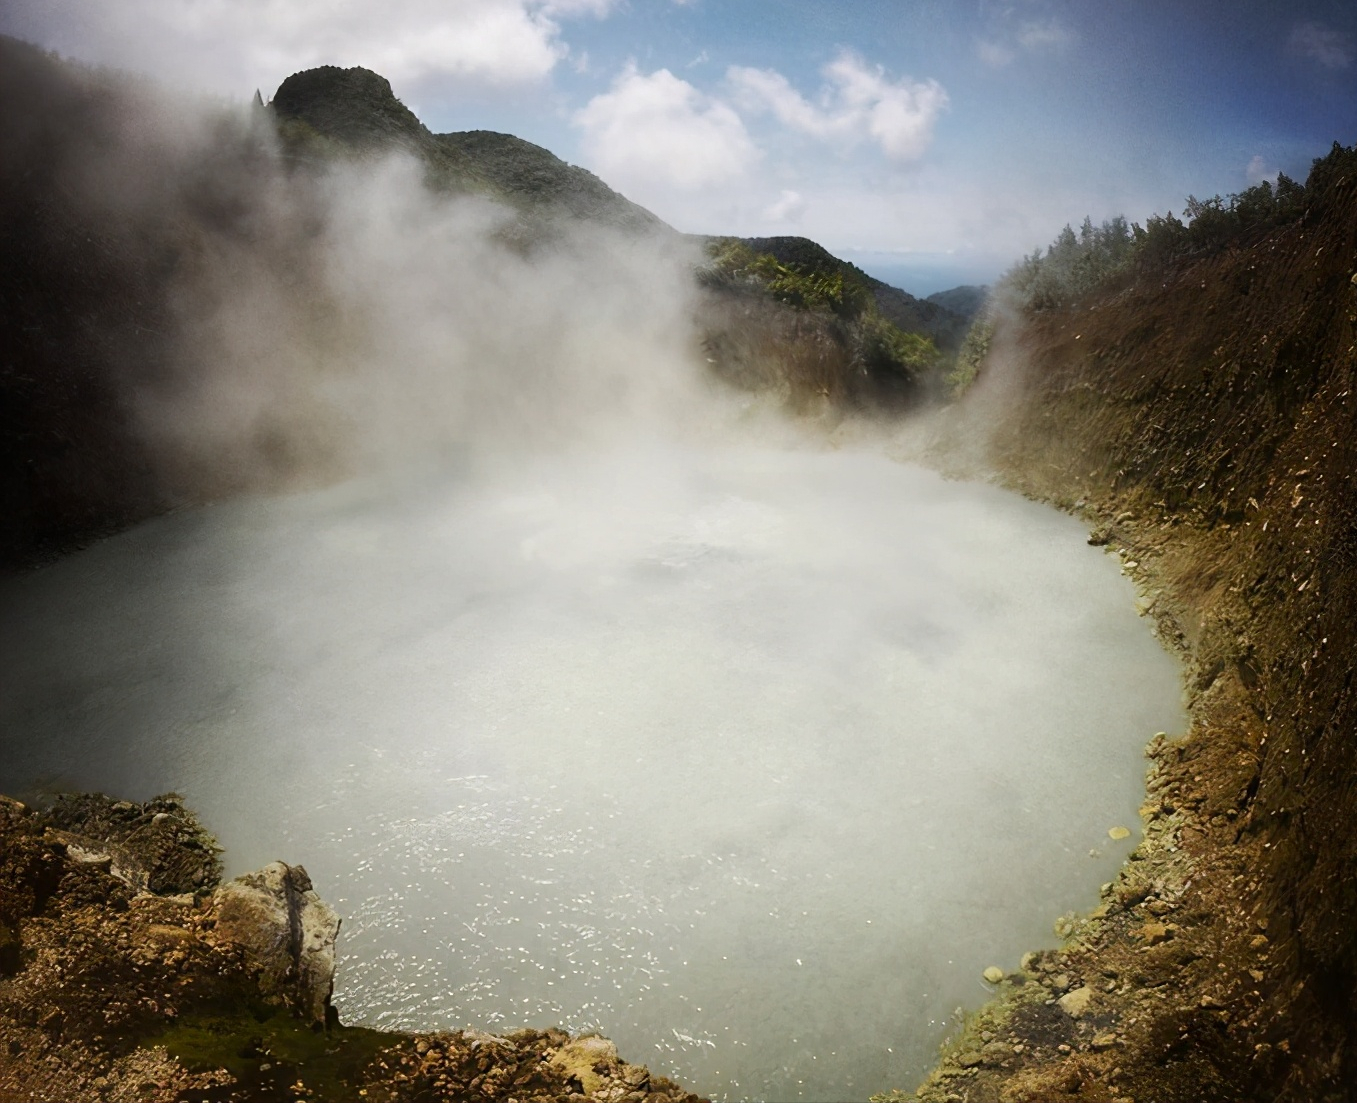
(752, 759)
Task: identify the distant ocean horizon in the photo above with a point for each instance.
(927, 275)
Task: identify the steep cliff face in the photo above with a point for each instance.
(1205, 421)
(82, 300)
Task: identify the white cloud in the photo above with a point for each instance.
(1008, 40)
(994, 54)
(1044, 34)
(658, 131)
(236, 45)
(1323, 45)
(769, 90)
(569, 8)
(1259, 170)
(788, 207)
(858, 101)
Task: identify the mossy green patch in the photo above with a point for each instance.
(267, 1050)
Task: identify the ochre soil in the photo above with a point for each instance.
(1203, 422)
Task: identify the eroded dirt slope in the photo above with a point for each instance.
(1204, 423)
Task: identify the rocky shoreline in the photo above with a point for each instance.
(1149, 992)
(1201, 421)
(130, 972)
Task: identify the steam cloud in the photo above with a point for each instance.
(586, 702)
(274, 324)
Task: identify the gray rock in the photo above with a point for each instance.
(995, 1053)
(118, 861)
(1075, 1003)
(286, 932)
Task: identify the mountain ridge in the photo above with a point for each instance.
(357, 110)
(913, 315)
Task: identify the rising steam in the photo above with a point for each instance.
(583, 705)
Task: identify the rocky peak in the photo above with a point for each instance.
(355, 106)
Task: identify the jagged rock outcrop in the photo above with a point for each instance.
(158, 846)
(113, 994)
(354, 105)
(286, 932)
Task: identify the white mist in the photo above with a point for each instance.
(751, 758)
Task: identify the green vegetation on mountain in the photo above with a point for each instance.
(1102, 259)
(352, 107)
(824, 287)
(862, 354)
(527, 175)
(974, 349)
(330, 112)
(965, 301)
(937, 321)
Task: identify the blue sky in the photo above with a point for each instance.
(931, 142)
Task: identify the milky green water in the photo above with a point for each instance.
(751, 759)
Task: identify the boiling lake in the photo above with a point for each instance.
(750, 758)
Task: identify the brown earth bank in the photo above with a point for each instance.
(129, 972)
(1203, 422)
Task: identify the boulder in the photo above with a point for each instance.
(590, 1060)
(1075, 1003)
(286, 932)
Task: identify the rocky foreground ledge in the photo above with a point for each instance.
(130, 972)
